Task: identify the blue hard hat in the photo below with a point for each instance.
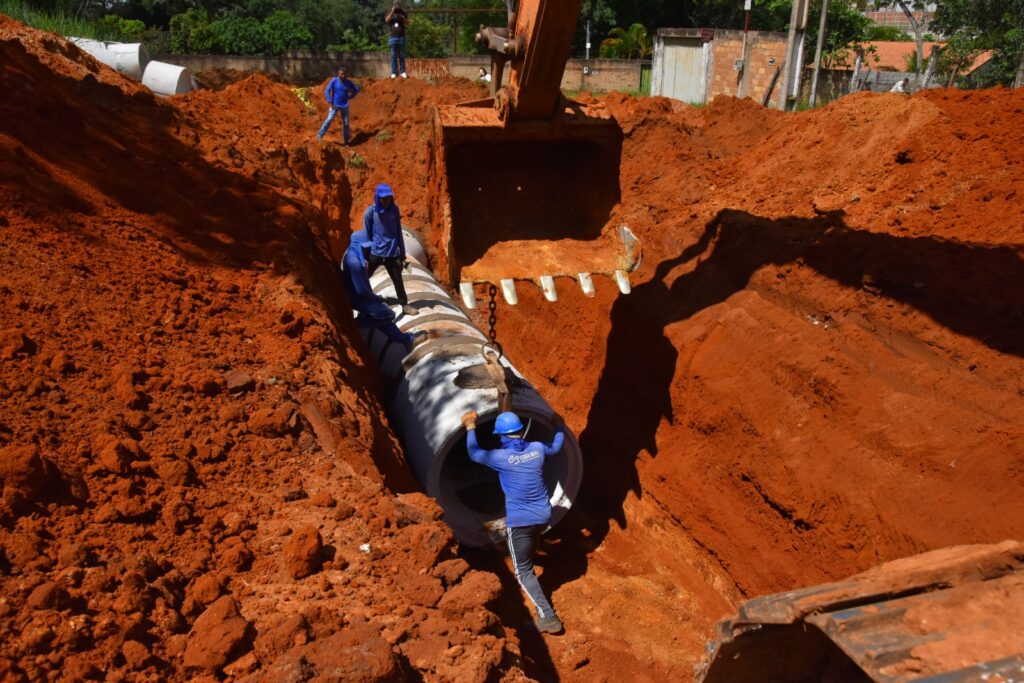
(507, 423)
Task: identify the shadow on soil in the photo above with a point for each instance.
(971, 290)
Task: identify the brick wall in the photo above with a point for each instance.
(765, 52)
(717, 68)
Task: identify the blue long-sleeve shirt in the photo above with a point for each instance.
(357, 282)
(339, 91)
(383, 225)
(520, 466)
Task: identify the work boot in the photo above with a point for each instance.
(550, 624)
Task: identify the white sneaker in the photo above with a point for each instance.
(404, 75)
(393, 76)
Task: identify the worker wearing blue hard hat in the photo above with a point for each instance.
(520, 467)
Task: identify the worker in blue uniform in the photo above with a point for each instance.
(382, 222)
(373, 312)
(520, 467)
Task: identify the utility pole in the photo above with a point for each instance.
(586, 53)
(817, 53)
(794, 54)
(741, 89)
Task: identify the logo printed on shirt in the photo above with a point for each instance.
(525, 457)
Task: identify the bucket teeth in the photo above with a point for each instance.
(586, 284)
(508, 290)
(622, 280)
(468, 295)
(547, 285)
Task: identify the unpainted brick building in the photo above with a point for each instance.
(696, 65)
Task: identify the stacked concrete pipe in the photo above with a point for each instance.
(132, 59)
(439, 381)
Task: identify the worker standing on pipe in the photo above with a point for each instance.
(520, 467)
(338, 93)
(373, 312)
(383, 224)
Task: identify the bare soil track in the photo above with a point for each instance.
(819, 369)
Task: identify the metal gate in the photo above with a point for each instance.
(683, 70)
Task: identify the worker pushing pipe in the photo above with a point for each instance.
(453, 369)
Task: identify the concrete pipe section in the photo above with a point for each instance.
(437, 383)
(131, 59)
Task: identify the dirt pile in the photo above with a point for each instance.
(189, 424)
(819, 367)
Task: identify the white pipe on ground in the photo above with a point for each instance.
(130, 59)
(437, 383)
(167, 79)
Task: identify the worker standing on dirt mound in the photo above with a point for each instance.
(373, 312)
(520, 467)
(338, 93)
(396, 20)
(383, 224)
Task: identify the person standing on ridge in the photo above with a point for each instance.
(396, 20)
(520, 467)
(383, 224)
(338, 93)
(373, 312)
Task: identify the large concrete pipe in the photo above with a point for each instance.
(437, 383)
(130, 59)
(168, 79)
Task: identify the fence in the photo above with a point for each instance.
(308, 68)
(833, 84)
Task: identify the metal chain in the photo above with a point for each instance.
(492, 316)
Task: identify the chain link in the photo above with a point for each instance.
(492, 315)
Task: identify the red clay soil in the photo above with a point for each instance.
(819, 369)
(197, 478)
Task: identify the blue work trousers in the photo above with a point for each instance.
(397, 45)
(330, 117)
(522, 544)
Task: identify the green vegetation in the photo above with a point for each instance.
(631, 43)
(275, 26)
(977, 25)
(891, 33)
(66, 22)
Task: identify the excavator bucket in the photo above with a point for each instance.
(525, 182)
(951, 615)
(529, 199)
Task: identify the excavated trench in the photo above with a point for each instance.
(819, 369)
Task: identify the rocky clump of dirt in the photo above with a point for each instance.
(197, 479)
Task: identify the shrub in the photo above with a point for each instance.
(241, 36)
(192, 32)
(123, 30)
(285, 32)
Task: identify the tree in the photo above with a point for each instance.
(887, 33)
(631, 43)
(996, 25)
(240, 35)
(428, 38)
(285, 32)
(847, 30)
(191, 32)
(909, 7)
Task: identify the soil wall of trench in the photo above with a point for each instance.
(819, 369)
